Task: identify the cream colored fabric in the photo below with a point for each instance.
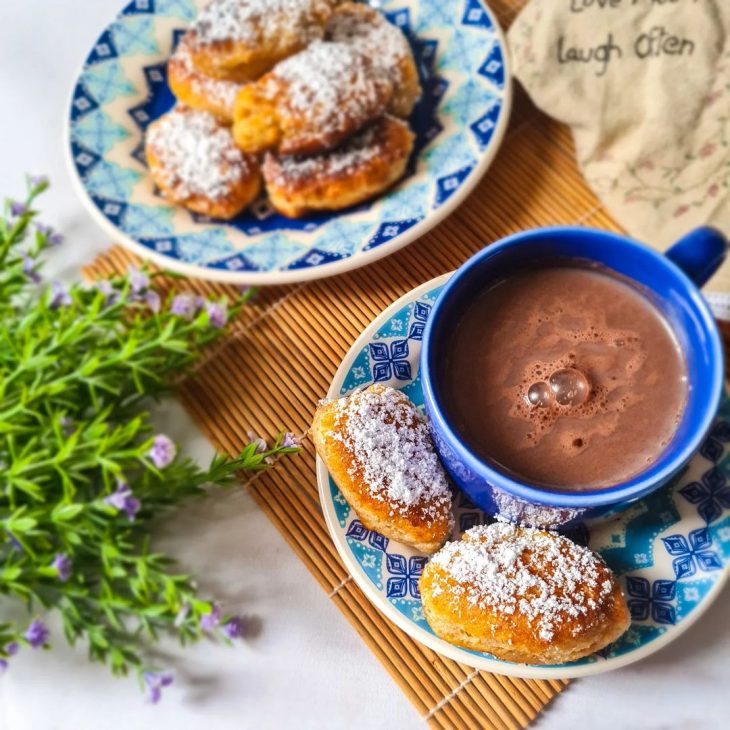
(645, 87)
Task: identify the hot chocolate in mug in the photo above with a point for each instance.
(670, 282)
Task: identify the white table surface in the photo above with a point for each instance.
(304, 665)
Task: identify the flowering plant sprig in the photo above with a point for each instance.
(82, 472)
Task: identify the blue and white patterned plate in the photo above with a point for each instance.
(671, 550)
(459, 124)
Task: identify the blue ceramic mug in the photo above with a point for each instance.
(672, 280)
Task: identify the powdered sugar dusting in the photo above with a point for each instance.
(358, 150)
(330, 84)
(260, 21)
(197, 153)
(219, 91)
(371, 34)
(542, 576)
(392, 451)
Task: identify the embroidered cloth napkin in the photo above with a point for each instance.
(645, 88)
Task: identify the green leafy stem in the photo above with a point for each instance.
(82, 472)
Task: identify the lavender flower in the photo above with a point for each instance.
(52, 238)
(59, 296)
(17, 208)
(11, 649)
(124, 499)
(38, 181)
(152, 298)
(37, 634)
(235, 627)
(183, 305)
(162, 452)
(155, 682)
(62, 563)
(138, 280)
(208, 621)
(289, 441)
(29, 269)
(254, 439)
(107, 289)
(217, 314)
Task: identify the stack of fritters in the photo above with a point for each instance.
(315, 91)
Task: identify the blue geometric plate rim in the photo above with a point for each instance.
(433, 217)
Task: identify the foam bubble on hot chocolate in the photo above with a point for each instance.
(570, 387)
(549, 390)
(539, 394)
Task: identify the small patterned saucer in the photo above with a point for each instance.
(459, 124)
(671, 550)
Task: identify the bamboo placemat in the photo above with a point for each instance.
(283, 351)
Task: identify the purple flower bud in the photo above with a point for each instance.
(62, 563)
(289, 441)
(235, 627)
(208, 621)
(152, 298)
(17, 208)
(3, 666)
(12, 648)
(59, 296)
(155, 682)
(183, 305)
(55, 239)
(38, 181)
(29, 269)
(105, 287)
(217, 314)
(37, 634)
(124, 499)
(254, 439)
(111, 294)
(138, 280)
(162, 452)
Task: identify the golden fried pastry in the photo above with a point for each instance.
(523, 595)
(369, 31)
(197, 90)
(311, 102)
(195, 163)
(241, 39)
(364, 166)
(376, 446)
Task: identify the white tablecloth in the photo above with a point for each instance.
(304, 665)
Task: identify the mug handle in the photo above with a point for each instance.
(699, 253)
